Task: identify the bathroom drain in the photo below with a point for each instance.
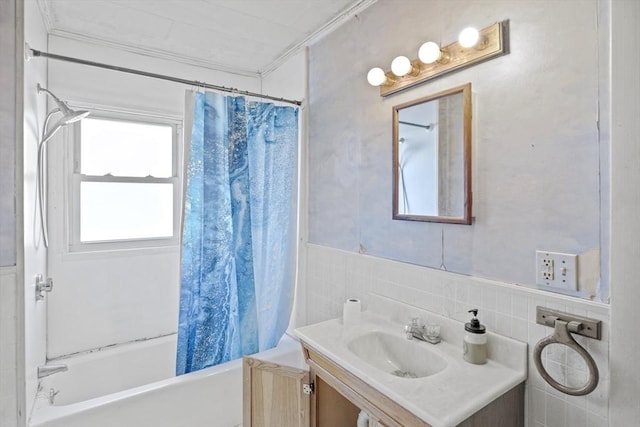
(404, 374)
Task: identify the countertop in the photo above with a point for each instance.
(444, 399)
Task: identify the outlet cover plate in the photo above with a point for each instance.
(556, 270)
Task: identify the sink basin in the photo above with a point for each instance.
(396, 355)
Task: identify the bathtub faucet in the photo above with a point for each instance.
(46, 370)
(52, 395)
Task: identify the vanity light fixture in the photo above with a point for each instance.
(377, 77)
(473, 46)
(401, 66)
(430, 52)
(469, 37)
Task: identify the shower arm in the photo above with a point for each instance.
(62, 106)
(43, 89)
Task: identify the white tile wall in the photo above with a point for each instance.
(333, 275)
(8, 393)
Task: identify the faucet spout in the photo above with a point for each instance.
(419, 331)
(46, 370)
(415, 332)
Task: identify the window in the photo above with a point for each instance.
(126, 190)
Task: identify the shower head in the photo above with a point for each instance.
(68, 115)
(73, 116)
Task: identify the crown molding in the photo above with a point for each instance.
(46, 14)
(327, 28)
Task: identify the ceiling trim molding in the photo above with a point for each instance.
(46, 14)
(318, 34)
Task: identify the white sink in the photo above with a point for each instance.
(431, 381)
(396, 355)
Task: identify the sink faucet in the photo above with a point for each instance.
(46, 370)
(416, 329)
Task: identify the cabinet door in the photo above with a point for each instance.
(273, 395)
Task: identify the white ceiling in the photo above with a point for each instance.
(243, 36)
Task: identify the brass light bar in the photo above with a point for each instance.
(494, 42)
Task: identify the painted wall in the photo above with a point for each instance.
(10, 378)
(539, 158)
(9, 33)
(625, 201)
(35, 254)
(9, 346)
(289, 80)
(535, 129)
(8, 137)
(104, 298)
(22, 327)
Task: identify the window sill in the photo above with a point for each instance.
(121, 252)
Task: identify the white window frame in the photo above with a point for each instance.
(76, 178)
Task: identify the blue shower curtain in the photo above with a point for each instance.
(238, 236)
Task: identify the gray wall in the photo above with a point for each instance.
(11, 379)
(8, 134)
(540, 174)
(625, 200)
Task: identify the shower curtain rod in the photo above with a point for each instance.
(425, 127)
(36, 53)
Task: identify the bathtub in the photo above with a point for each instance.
(133, 386)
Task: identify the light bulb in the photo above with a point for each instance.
(376, 76)
(469, 37)
(401, 66)
(429, 52)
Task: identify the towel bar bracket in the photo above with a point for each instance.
(580, 325)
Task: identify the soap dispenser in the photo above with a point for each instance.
(475, 341)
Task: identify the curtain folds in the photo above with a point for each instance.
(238, 238)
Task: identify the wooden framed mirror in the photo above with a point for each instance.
(432, 158)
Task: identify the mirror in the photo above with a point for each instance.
(432, 158)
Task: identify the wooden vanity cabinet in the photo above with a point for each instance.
(330, 396)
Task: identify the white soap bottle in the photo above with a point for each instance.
(475, 341)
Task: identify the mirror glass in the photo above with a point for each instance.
(432, 158)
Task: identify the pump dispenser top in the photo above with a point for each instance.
(475, 341)
(474, 325)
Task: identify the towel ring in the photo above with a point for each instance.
(561, 335)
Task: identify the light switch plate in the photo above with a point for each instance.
(558, 271)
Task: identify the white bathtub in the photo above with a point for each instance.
(111, 388)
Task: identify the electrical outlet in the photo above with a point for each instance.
(557, 270)
(546, 268)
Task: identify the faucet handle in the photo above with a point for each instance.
(408, 331)
(415, 322)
